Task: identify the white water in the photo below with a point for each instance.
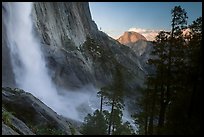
(29, 64)
(30, 70)
(31, 75)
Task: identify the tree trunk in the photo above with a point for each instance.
(161, 118)
(150, 127)
(151, 120)
(163, 102)
(113, 126)
(111, 117)
(162, 111)
(146, 123)
(192, 99)
(101, 107)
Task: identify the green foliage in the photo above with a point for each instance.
(6, 117)
(73, 130)
(46, 130)
(179, 18)
(104, 122)
(111, 95)
(97, 51)
(95, 124)
(115, 90)
(69, 44)
(124, 129)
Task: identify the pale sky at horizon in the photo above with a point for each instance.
(114, 18)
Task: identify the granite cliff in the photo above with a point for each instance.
(65, 29)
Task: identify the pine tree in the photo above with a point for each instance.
(115, 96)
(175, 43)
(185, 115)
(112, 95)
(157, 82)
(163, 86)
(95, 124)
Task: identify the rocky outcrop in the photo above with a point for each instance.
(140, 47)
(13, 124)
(6, 130)
(24, 114)
(143, 50)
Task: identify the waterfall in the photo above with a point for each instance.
(27, 60)
(30, 70)
(29, 65)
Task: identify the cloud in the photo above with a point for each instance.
(149, 34)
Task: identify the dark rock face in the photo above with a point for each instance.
(143, 50)
(31, 115)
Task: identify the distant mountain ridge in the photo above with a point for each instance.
(136, 41)
(140, 45)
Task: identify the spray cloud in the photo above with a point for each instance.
(30, 70)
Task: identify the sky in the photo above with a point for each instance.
(147, 18)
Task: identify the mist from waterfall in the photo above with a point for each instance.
(29, 65)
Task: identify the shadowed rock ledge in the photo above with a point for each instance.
(24, 114)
